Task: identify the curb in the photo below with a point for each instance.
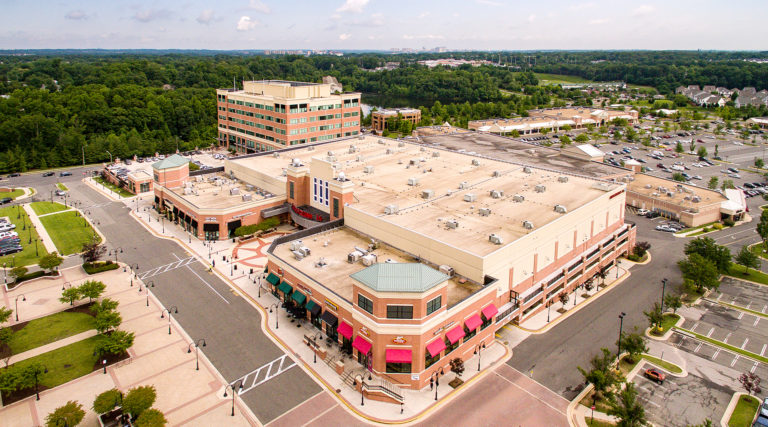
(647, 260)
(666, 334)
(89, 182)
(731, 407)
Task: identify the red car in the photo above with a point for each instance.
(655, 375)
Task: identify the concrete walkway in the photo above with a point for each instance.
(45, 239)
(52, 346)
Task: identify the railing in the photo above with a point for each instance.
(384, 387)
(306, 232)
(206, 171)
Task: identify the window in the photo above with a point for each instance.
(429, 361)
(398, 368)
(434, 304)
(468, 334)
(450, 347)
(486, 322)
(399, 312)
(144, 187)
(320, 191)
(290, 186)
(335, 206)
(365, 303)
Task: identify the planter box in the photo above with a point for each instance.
(114, 418)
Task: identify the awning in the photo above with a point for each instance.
(285, 287)
(266, 269)
(345, 329)
(299, 298)
(455, 334)
(313, 308)
(435, 347)
(329, 318)
(274, 280)
(396, 355)
(490, 311)
(361, 345)
(473, 322)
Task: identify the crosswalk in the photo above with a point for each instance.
(265, 373)
(167, 267)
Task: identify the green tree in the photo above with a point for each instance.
(138, 400)
(565, 139)
(692, 146)
(107, 321)
(116, 342)
(747, 258)
(107, 401)
(93, 250)
(601, 373)
(673, 301)
(654, 316)
(69, 414)
(679, 148)
(581, 138)
(713, 182)
(627, 408)
(759, 163)
(151, 418)
(762, 229)
(50, 262)
(727, 183)
(633, 343)
(709, 249)
(70, 295)
(702, 152)
(5, 332)
(677, 176)
(700, 271)
(717, 149)
(107, 304)
(515, 133)
(18, 271)
(92, 289)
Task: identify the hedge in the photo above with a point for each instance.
(98, 267)
(28, 276)
(253, 228)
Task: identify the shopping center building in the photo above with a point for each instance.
(553, 119)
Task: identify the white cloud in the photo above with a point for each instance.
(489, 2)
(336, 17)
(76, 15)
(598, 21)
(355, 6)
(582, 6)
(151, 15)
(206, 16)
(246, 23)
(531, 18)
(423, 37)
(376, 20)
(423, 15)
(644, 9)
(344, 36)
(259, 6)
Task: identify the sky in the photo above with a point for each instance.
(385, 24)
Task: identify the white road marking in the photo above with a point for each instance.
(167, 267)
(697, 348)
(733, 362)
(727, 336)
(764, 308)
(741, 314)
(757, 319)
(762, 352)
(204, 281)
(753, 368)
(746, 340)
(650, 401)
(694, 326)
(265, 373)
(710, 332)
(716, 353)
(748, 304)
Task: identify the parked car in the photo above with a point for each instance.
(65, 174)
(49, 174)
(653, 214)
(764, 408)
(655, 375)
(643, 212)
(13, 175)
(5, 200)
(761, 421)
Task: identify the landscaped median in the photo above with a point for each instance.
(626, 366)
(29, 255)
(121, 192)
(48, 329)
(744, 412)
(43, 208)
(68, 230)
(724, 345)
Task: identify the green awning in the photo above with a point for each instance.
(274, 280)
(285, 287)
(299, 298)
(310, 305)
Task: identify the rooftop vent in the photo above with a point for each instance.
(331, 159)
(562, 179)
(427, 194)
(342, 177)
(413, 182)
(452, 223)
(670, 194)
(696, 199)
(247, 197)
(249, 187)
(361, 137)
(296, 244)
(423, 149)
(413, 162)
(560, 209)
(447, 270)
(276, 155)
(296, 163)
(234, 191)
(475, 162)
(381, 141)
(330, 154)
(368, 169)
(518, 198)
(389, 151)
(470, 197)
(540, 188)
(495, 239)
(391, 209)
(284, 172)
(401, 144)
(298, 255)
(497, 194)
(463, 185)
(359, 158)
(527, 170)
(352, 149)
(528, 225)
(435, 154)
(496, 174)
(484, 211)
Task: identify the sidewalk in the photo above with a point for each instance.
(184, 395)
(45, 239)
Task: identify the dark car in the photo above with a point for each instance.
(13, 175)
(653, 214)
(761, 421)
(655, 375)
(49, 174)
(5, 200)
(65, 174)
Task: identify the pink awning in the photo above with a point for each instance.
(435, 347)
(473, 322)
(396, 355)
(490, 311)
(345, 329)
(455, 334)
(361, 345)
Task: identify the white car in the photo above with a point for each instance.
(642, 212)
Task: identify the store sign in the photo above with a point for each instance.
(399, 340)
(331, 305)
(442, 328)
(210, 219)
(304, 289)
(363, 330)
(242, 215)
(415, 377)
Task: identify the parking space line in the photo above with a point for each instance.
(733, 362)
(650, 401)
(716, 353)
(710, 332)
(757, 319)
(748, 304)
(725, 340)
(697, 348)
(741, 314)
(746, 340)
(764, 308)
(753, 368)
(718, 297)
(762, 352)
(693, 328)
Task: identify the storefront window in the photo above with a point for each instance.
(469, 334)
(398, 368)
(486, 322)
(365, 303)
(450, 347)
(430, 360)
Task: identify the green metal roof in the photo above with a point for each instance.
(173, 161)
(400, 277)
(271, 278)
(299, 297)
(285, 288)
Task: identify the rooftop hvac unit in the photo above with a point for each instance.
(401, 144)
(435, 154)
(527, 169)
(188, 191)
(447, 270)
(540, 188)
(234, 191)
(276, 155)
(341, 176)
(562, 179)
(528, 225)
(369, 259)
(389, 151)
(463, 185)
(352, 149)
(470, 197)
(427, 194)
(284, 173)
(331, 159)
(298, 255)
(452, 223)
(560, 209)
(413, 162)
(413, 182)
(497, 194)
(359, 158)
(496, 174)
(296, 244)
(696, 199)
(475, 162)
(330, 154)
(361, 137)
(296, 163)
(518, 198)
(484, 211)
(495, 239)
(422, 159)
(670, 194)
(361, 250)
(311, 148)
(305, 250)
(648, 186)
(390, 209)
(249, 187)
(423, 149)
(247, 197)
(368, 169)
(381, 141)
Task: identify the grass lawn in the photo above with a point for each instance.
(757, 249)
(598, 423)
(48, 329)
(668, 321)
(27, 255)
(42, 208)
(61, 186)
(744, 412)
(625, 366)
(16, 192)
(120, 191)
(601, 405)
(553, 79)
(66, 363)
(67, 231)
(737, 271)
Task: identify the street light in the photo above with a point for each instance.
(621, 327)
(663, 288)
(37, 373)
(23, 298)
(235, 390)
(362, 385)
(277, 326)
(549, 305)
(478, 352)
(36, 253)
(173, 309)
(5, 271)
(314, 341)
(435, 379)
(151, 284)
(189, 350)
(120, 248)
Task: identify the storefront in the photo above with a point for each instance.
(345, 329)
(363, 353)
(314, 314)
(330, 321)
(211, 231)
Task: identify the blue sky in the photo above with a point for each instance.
(375, 24)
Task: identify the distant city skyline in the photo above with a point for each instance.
(383, 25)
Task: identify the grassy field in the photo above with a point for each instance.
(68, 231)
(553, 79)
(26, 256)
(737, 271)
(66, 363)
(48, 329)
(61, 186)
(16, 192)
(42, 208)
(120, 191)
(668, 321)
(744, 412)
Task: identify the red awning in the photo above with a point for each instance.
(361, 345)
(490, 311)
(455, 334)
(396, 355)
(473, 322)
(345, 329)
(435, 347)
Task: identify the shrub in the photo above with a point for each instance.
(93, 268)
(139, 399)
(705, 229)
(107, 401)
(151, 418)
(641, 248)
(30, 276)
(717, 226)
(70, 414)
(253, 228)
(729, 222)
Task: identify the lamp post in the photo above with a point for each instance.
(173, 309)
(104, 365)
(663, 288)
(478, 352)
(362, 385)
(277, 326)
(115, 250)
(235, 390)
(37, 373)
(36, 253)
(5, 271)
(317, 347)
(197, 345)
(151, 284)
(549, 305)
(23, 298)
(435, 379)
(621, 327)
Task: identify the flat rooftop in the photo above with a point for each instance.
(516, 151)
(682, 194)
(335, 274)
(218, 191)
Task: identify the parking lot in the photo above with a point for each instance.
(682, 401)
(743, 294)
(737, 328)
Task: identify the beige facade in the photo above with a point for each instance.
(553, 120)
(379, 118)
(692, 206)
